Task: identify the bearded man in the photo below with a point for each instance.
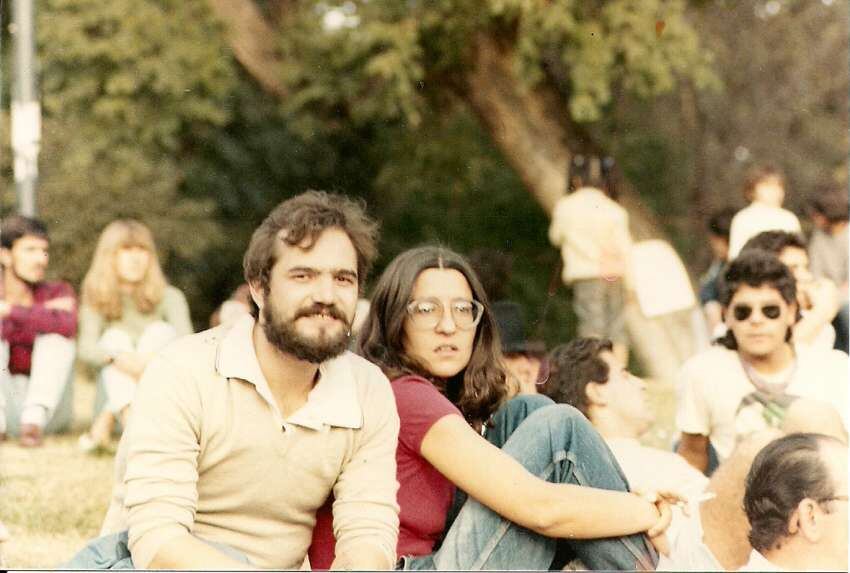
(238, 434)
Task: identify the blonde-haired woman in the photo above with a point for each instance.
(128, 312)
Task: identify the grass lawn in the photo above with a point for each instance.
(54, 498)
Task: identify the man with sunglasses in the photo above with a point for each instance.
(817, 298)
(796, 503)
(748, 380)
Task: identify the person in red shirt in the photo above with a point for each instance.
(38, 323)
(552, 486)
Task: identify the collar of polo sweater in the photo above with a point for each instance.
(333, 401)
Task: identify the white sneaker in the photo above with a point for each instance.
(86, 443)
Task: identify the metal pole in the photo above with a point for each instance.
(26, 110)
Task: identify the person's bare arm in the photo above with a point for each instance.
(502, 484)
(822, 295)
(694, 448)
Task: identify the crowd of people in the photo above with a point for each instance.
(422, 429)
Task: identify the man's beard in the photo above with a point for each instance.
(13, 267)
(282, 334)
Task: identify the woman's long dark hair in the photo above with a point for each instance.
(481, 387)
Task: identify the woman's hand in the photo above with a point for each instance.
(131, 363)
(664, 502)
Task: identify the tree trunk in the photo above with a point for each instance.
(253, 41)
(531, 128)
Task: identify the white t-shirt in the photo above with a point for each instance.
(688, 552)
(652, 469)
(755, 219)
(713, 386)
(758, 562)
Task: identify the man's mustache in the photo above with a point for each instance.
(329, 309)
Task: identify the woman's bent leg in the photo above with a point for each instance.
(507, 419)
(557, 444)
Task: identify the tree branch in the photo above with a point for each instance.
(253, 42)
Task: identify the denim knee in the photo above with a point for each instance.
(526, 403)
(511, 415)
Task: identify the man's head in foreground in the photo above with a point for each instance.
(796, 502)
(304, 266)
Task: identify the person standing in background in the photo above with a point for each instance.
(764, 188)
(828, 251)
(592, 232)
(718, 239)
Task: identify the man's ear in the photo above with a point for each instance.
(808, 520)
(257, 294)
(596, 394)
(5, 257)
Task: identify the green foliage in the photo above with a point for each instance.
(377, 69)
(123, 83)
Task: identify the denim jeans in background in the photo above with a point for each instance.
(557, 444)
(112, 552)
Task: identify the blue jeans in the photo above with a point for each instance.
(112, 552)
(557, 444)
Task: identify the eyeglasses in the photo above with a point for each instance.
(836, 498)
(426, 313)
(743, 311)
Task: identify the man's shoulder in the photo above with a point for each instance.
(814, 360)
(365, 374)
(714, 358)
(367, 378)
(54, 289)
(194, 350)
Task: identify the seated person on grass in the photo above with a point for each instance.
(796, 503)
(128, 312)
(707, 536)
(39, 322)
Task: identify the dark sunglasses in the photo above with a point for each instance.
(743, 311)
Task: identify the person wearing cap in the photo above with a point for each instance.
(523, 358)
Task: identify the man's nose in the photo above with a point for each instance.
(324, 289)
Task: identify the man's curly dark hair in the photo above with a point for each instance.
(573, 366)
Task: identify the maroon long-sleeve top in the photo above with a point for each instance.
(24, 323)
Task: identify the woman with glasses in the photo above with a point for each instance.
(433, 334)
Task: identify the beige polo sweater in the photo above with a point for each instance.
(209, 453)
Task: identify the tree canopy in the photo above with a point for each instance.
(454, 119)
